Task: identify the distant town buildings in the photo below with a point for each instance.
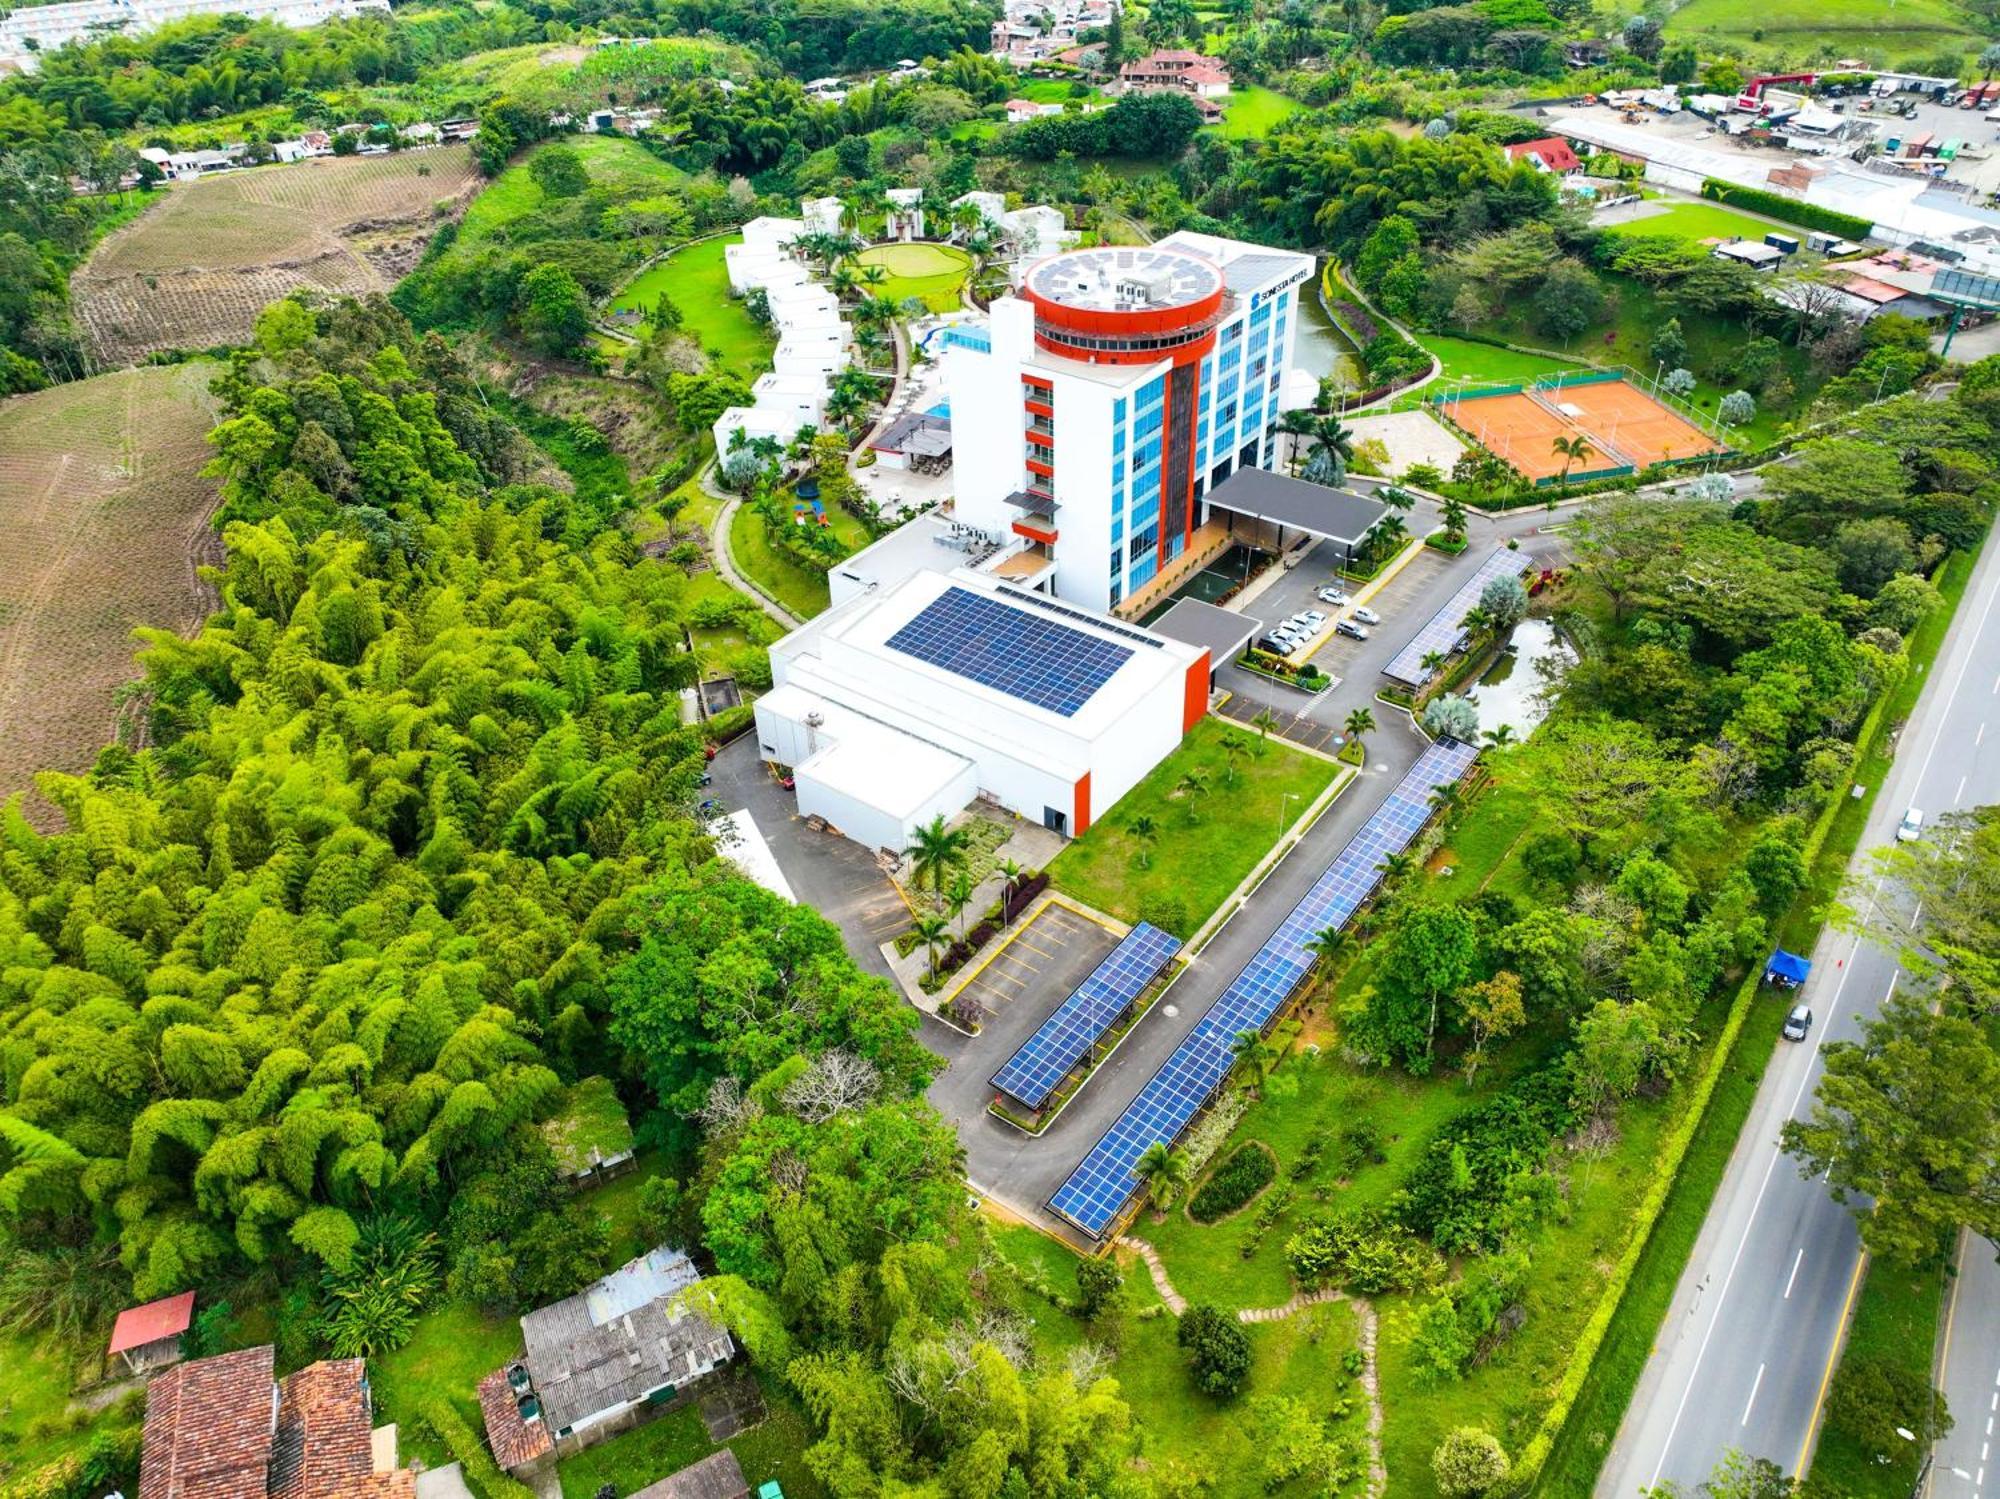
(29, 31)
(1032, 31)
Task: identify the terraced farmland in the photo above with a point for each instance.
(196, 269)
(103, 517)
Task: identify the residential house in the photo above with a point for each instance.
(1189, 72)
(906, 214)
(600, 1362)
(1020, 111)
(223, 1428)
(1551, 154)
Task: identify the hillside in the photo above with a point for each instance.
(103, 513)
(195, 270)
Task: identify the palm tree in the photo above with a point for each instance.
(1454, 518)
(1360, 722)
(1445, 800)
(1434, 661)
(1010, 873)
(1163, 1172)
(1570, 449)
(1478, 620)
(1264, 723)
(958, 897)
(934, 852)
(1337, 438)
(1233, 751)
(1295, 424)
(844, 405)
(872, 275)
(1396, 866)
(840, 280)
(1327, 943)
(1145, 832)
(1192, 786)
(1500, 738)
(931, 930)
(1250, 1059)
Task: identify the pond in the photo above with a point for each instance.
(1511, 691)
(1322, 348)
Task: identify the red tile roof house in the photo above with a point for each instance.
(1190, 72)
(149, 1336)
(1548, 155)
(222, 1428)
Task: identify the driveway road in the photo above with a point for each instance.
(1751, 1335)
(1967, 1463)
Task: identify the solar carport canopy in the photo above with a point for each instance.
(1342, 515)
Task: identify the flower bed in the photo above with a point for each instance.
(1307, 678)
(1249, 1169)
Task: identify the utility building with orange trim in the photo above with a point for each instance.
(928, 686)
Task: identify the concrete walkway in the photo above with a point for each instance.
(725, 563)
(1176, 1303)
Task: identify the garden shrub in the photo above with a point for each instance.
(481, 1472)
(1456, 1191)
(1167, 912)
(1217, 1347)
(1248, 1171)
(1363, 1251)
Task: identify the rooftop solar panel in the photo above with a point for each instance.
(1065, 1038)
(1038, 661)
(1103, 1181)
(1448, 624)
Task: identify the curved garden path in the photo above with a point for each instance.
(1367, 1329)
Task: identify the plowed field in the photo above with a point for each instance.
(196, 269)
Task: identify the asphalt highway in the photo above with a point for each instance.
(1750, 1338)
(1967, 1462)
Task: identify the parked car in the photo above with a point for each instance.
(1274, 645)
(1367, 616)
(1331, 595)
(1798, 1023)
(1351, 630)
(1314, 620)
(710, 807)
(1911, 828)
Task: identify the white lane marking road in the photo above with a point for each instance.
(1754, 1384)
(1797, 1259)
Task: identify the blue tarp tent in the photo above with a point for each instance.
(1787, 969)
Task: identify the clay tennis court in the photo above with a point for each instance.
(1623, 424)
(1633, 422)
(1518, 431)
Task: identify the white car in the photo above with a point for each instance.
(1330, 595)
(1911, 828)
(1368, 616)
(1313, 620)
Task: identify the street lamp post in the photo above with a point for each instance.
(1287, 797)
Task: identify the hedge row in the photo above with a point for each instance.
(1791, 210)
(481, 1472)
(1672, 1155)
(1246, 1173)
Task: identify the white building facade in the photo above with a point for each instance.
(28, 32)
(1110, 396)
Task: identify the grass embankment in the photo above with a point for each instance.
(1579, 1452)
(774, 1448)
(1211, 839)
(698, 281)
(796, 588)
(1473, 363)
(1799, 30)
(1254, 112)
(1895, 1322)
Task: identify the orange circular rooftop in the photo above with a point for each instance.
(1123, 303)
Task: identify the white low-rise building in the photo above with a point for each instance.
(822, 215)
(802, 396)
(31, 30)
(928, 685)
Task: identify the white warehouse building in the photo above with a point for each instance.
(923, 689)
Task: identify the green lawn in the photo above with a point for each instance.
(455, 1347)
(1477, 364)
(774, 1448)
(1698, 221)
(1895, 1321)
(932, 274)
(623, 166)
(799, 589)
(1805, 30)
(1055, 91)
(1204, 846)
(1252, 113)
(698, 281)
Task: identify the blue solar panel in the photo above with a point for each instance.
(1103, 1182)
(1065, 1038)
(1448, 624)
(1037, 660)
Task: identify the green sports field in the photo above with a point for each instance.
(931, 273)
(1802, 31)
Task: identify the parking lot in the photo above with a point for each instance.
(1018, 990)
